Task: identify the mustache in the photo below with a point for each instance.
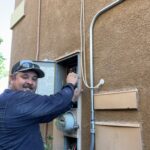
(28, 86)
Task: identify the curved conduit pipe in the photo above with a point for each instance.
(92, 130)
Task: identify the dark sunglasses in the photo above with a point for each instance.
(25, 64)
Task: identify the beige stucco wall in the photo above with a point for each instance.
(122, 58)
(24, 34)
(121, 50)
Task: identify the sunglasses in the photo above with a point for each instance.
(26, 64)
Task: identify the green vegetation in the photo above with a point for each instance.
(3, 71)
(48, 144)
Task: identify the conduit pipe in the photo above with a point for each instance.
(38, 30)
(38, 48)
(92, 129)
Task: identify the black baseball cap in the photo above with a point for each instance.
(25, 65)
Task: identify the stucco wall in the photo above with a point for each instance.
(121, 50)
(59, 28)
(122, 58)
(25, 34)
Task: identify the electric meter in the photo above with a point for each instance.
(67, 122)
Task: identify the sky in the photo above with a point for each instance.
(6, 9)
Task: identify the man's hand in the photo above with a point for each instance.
(72, 78)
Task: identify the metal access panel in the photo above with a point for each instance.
(63, 67)
(46, 84)
(71, 139)
(118, 136)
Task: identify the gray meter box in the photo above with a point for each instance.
(46, 84)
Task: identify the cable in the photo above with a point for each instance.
(82, 40)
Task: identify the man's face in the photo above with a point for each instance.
(24, 81)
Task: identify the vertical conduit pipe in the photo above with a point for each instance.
(92, 129)
(38, 48)
(38, 30)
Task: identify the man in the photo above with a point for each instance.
(21, 110)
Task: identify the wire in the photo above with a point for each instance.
(82, 40)
(74, 147)
(83, 54)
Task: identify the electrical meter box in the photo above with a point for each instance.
(45, 85)
(63, 67)
(66, 126)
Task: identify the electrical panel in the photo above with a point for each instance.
(45, 85)
(70, 143)
(63, 67)
(67, 122)
(66, 126)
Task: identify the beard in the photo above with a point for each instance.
(28, 87)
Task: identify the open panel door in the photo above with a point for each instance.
(46, 87)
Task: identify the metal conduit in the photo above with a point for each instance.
(38, 30)
(92, 129)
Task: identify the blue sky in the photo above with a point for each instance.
(6, 9)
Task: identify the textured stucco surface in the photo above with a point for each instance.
(121, 50)
(25, 33)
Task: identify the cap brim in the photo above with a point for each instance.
(39, 72)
